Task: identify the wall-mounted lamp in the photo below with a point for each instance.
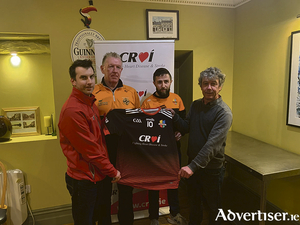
(15, 59)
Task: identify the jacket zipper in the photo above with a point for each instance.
(91, 165)
(113, 93)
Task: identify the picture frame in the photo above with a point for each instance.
(25, 121)
(162, 24)
(293, 109)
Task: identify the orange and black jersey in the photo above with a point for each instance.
(173, 101)
(122, 97)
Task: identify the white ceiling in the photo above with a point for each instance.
(209, 3)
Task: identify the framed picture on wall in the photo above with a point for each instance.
(25, 121)
(162, 24)
(293, 112)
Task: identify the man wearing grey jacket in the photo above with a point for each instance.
(207, 123)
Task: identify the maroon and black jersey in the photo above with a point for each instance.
(147, 155)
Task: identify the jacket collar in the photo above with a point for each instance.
(88, 100)
(214, 102)
(120, 84)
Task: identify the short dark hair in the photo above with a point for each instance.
(160, 72)
(85, 63)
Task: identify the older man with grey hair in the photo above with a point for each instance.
(110, 94)
(207, 122)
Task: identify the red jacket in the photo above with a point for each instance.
(82, 140)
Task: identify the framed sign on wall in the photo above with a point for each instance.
(162, 24)
(293, 111)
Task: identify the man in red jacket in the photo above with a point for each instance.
(82, 142)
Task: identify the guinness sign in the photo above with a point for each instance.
(82, 46)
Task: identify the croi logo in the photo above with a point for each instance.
(149, 138)
(134, 56)
(142, 93)
(162, 123)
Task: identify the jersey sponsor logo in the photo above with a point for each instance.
(149, 138)
(162, 123)
(142, 93)
(175, 101)
(126, 101)
(135, 56)
(135, 120)
(100, 102)
(150, 122)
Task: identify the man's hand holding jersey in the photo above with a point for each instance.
(117, 177)
(185, 172)
(178, 135)
(171, 110)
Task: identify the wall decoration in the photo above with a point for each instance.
(293, 113)
(82, 46)
(84, 12)
(162, 24)
(25, 121)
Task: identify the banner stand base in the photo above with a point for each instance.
(142, 214)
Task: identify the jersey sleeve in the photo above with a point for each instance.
(145, 104)
(181, 109)
(182, 114)
(115, 122)
(181, 105)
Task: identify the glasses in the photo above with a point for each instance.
(112, 67)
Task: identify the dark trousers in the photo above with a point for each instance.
(87, 201)
(112, 143)
(205, 185)
(125, 211)
(105, 216)
(173, 200)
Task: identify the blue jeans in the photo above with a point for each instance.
(205, 185)
(87, 201)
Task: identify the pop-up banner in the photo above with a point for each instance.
(140, 60)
